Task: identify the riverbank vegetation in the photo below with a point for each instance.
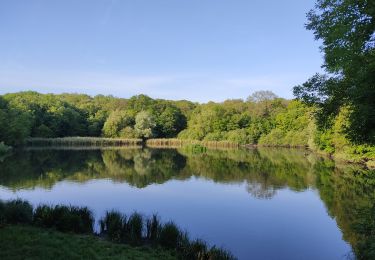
(263, 120)
(82, 142)
(30, 242)
(135, 230)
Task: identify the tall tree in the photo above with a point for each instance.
(347, 31)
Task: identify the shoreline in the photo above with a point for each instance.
(88, 143)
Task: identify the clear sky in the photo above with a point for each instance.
(176, 49)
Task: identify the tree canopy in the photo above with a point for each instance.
(347, 31)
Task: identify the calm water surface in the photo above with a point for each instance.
(259, 204)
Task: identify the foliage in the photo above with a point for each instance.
(346, 29)
(234, 120)
(116, 122)
(291, 127)
(263, 119)
(31, 114)
(144, 124)
(4, 148)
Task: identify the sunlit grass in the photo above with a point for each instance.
(177, 143)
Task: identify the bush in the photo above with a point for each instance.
(17, 212)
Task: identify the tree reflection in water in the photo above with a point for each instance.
(347, 191)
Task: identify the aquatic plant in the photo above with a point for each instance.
(113, 226)
(134, 228)
(64, 218)
(170, 235)
(176, 143)
(152, 228)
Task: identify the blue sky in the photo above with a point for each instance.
(199, 50)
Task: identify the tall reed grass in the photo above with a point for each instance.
(82, 141)
(16, 212)
(138, 230)
(135, 230)
(65, 218)
(177, 143)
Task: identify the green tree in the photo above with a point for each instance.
(346, 29)
(116, 122)
(144, 124)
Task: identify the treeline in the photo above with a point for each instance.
(31, 114)
(262, 119)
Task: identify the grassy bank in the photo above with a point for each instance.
(27, 242)
(135, 230)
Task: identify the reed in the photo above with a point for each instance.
(65, 218)
(135, 229)
(113, 226)
(118, 228)
(170, 236)
(177, 143)
(152, 228)
(17, 212)
(82, 141)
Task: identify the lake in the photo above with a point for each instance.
(258, 203)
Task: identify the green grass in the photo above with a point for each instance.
(25, 242)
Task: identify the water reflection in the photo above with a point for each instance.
(348, 193)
